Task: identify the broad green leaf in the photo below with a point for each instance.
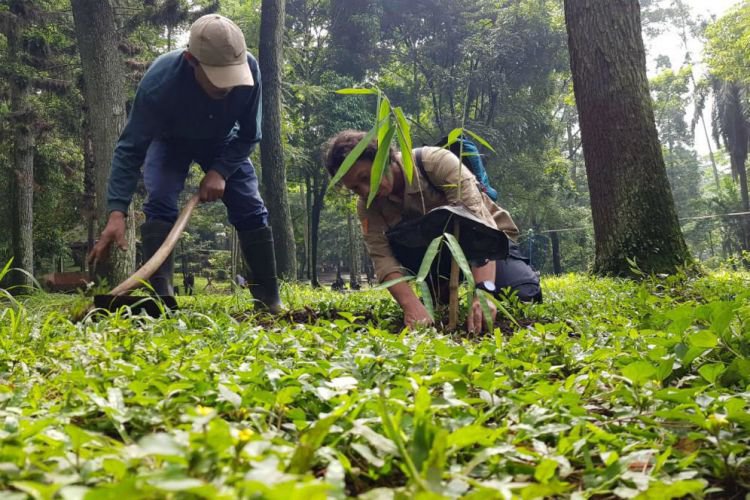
(703, 339)
(711, 372)
(381, 162)
(160, 444)
(354, 91)
(367, 454)
(660, 490)
(377, 441)
(38, 491)
(226, 394)
(664, 369)
(471, 435)
(353, 156)
(177, 484)
(639, 372)
(458, 255)
(545, 470)
(312, 439)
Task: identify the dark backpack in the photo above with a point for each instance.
(468, 151)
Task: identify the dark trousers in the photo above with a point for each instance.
(164, 171)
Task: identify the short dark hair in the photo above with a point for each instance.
(338, 147)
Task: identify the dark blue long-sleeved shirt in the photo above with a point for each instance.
(169, 104)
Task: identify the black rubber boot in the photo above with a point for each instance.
(153, 234)
(257, 247)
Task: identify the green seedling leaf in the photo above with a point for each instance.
(353, 91)
(353, 156)
(390, 283)
(405, 144)
(484, 303)
(381, 163)
(453, 136)
(384, 112)
(460, 258)
(480, 140)
(427, 298)
(429, 258)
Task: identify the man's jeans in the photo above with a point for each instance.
(164, 171)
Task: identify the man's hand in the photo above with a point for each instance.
(212, 186)
(114, 232)
(417, 315)
(477, 322)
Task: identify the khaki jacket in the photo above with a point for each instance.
(418, 198)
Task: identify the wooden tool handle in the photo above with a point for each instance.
(150, 267)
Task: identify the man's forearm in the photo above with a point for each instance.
(484, 273)
(402, 292)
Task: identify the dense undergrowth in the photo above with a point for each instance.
(611, 389)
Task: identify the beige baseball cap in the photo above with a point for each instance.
(219, 46)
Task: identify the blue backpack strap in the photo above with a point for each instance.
(474, 160)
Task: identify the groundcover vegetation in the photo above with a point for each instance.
(611, 389)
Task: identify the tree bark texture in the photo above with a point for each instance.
(104, 93)
(22, 181)
(631, 201)
(319, 193)
(556, 265)
(354, 252)
(271, 150)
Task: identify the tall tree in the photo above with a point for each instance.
(21, 186)
(632, 205)
(104, 90)
(272, 153)
(731, 121)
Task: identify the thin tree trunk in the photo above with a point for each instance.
(738, 165)
(632, 204)
(319, 190)
(22, 180)
(556, 265)
(104, 92)
(354, 257)
(272, 154)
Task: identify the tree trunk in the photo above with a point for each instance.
(738, 165)
(631, 201)
(319, 192)
(104, 93)
(556, 265)
(272, 154)
(22, 180)
(354, 257)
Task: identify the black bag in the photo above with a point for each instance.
(515, 272)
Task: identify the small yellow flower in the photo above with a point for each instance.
(245, 435)
(718, 420)
(203, 411)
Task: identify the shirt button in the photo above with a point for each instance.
(210, 117)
